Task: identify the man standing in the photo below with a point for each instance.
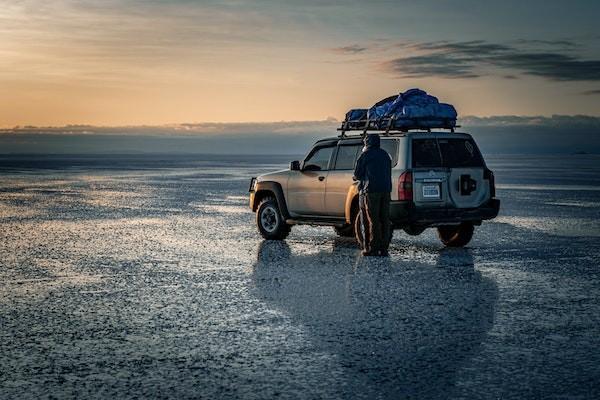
(374, 173)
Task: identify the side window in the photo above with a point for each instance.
(391, 146)
(318, 160)
(346, 156)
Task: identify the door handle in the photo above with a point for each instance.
(321, 178)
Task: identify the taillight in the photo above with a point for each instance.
(489, 175)
(405, 187)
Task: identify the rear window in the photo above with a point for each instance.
(445, 152)
(425, 153)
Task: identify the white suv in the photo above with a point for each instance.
(439, 180)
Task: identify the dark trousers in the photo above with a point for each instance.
(375, 210)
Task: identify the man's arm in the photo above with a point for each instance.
(359, 170)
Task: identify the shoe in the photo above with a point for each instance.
(368, 253)
(383, 253)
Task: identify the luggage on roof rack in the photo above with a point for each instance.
(413, 109)
(355, 117)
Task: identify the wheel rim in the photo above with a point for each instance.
(269, 219)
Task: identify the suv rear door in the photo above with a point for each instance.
(448, 172)
(465, 163)
(339, 178)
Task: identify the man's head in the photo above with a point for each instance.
(372, 141)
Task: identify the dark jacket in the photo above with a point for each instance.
(374, 168)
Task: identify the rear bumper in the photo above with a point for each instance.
(404, 213)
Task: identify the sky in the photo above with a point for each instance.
(133, 62)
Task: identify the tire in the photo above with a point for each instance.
(456, 235)
(269, 220)
(414, 230)
(344, 231)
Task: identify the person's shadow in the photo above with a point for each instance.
(398, 329)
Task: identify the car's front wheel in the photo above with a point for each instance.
(456, 235)
(269, 220)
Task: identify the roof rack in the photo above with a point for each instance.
(389, 126)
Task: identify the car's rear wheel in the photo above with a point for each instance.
(269, 220)
(456, 235)
(344, 231)
(414, 230)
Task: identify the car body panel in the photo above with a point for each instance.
(424, 179)
(336, 191)
(262, 189)
(280, 176)
(306, 192)
(351, 204)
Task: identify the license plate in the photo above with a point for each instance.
(431, 191)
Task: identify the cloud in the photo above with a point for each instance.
(591, 92)
(567, 44)
(431, 65)
(472, 59)
(558, 134)
(352, 49)
(122, 42)
(539, 121)
(499, 134)
(473, 48)
(281, 128)
(285, 138)
(554, 66)
(203, 129)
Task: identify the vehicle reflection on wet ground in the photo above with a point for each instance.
(142, 278)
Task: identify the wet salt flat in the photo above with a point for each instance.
(144, 276)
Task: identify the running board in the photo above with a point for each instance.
(316, 221)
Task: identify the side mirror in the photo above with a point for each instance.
(295, 166)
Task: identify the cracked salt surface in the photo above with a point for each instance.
(119, 278)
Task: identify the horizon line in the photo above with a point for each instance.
(329, 119)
